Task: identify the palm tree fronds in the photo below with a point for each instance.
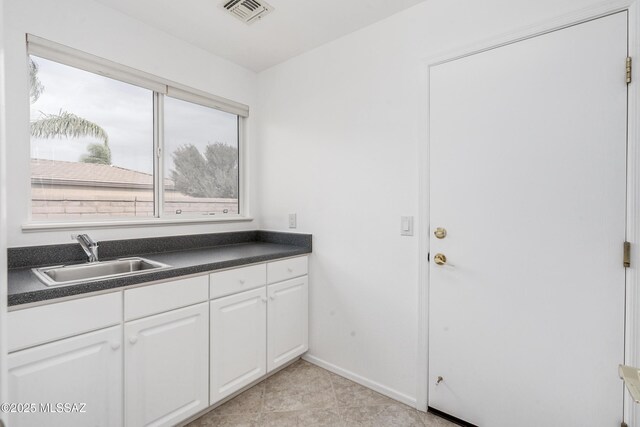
(68, 125)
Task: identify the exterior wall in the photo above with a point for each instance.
(64, 202)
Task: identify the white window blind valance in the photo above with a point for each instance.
(88, 62)
(208, 100)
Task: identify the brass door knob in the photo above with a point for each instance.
(440, 259)
(440, 233)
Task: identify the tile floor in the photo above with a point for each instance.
(305, 395)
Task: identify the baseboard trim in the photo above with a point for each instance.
(389, 392)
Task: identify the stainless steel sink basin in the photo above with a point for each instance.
(76, 273)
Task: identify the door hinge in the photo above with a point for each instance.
(629, 68)
(626, 256)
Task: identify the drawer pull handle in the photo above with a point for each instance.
(242, 281)
(272, 297)
(133, 339)
(264, 300)
(290, 270)
(115, 345)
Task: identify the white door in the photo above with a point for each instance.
(85, 370)
(238, 342)
(287, 321)
(528, 149)
(167, 367)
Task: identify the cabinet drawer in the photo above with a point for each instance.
(46, 323)
(153, 299)
(286, 269)
(237, 280)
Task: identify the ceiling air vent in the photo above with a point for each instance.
(247, 11)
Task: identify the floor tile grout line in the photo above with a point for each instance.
(262, 399)
(335, 396)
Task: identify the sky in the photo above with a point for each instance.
(125, 112)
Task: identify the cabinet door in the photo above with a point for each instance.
(85, 370)
(238, 341)
(166, 367)
(288, 311)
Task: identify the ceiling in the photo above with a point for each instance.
(294, 27)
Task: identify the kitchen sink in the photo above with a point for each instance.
(77, 273)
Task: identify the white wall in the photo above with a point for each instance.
(3, 237)
(93, 28)
(339, 135)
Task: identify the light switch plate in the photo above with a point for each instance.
(293, 220)
(406, 226)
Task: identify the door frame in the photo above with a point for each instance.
(632, 300)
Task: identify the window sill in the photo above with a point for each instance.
(49, 226)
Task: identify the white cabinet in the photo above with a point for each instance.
(238, 341)
(287, 320)
(257, 331)
(166, 367)
(177, 353)
(86, 370)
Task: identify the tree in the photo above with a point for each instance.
(36, 87)
(66, 125)
(97, 153)
(212, 174)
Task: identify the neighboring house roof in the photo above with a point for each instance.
(89, 174)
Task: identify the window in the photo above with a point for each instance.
(200, 159)
(91, 145)
(96, 128)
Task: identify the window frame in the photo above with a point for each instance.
(160, 87)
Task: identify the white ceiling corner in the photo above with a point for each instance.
(294, 27)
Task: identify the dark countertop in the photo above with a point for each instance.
(24, 286)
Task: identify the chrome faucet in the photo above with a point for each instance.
(88, 245)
